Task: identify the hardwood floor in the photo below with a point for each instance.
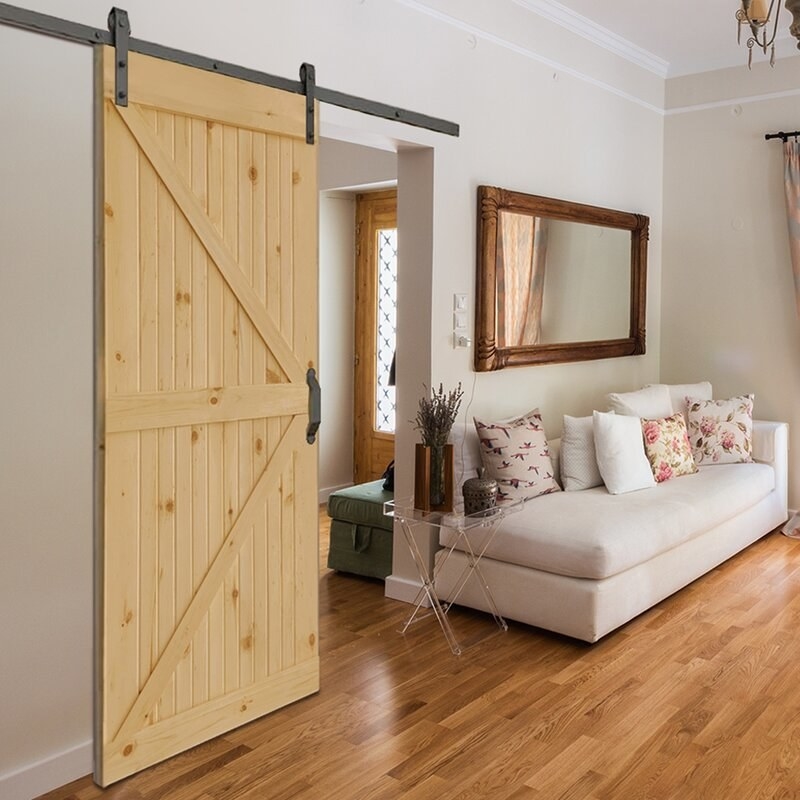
(697, 698)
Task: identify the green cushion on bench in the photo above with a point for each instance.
(361, 534)
(362, 505)
(360, 549)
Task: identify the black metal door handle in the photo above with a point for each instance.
(314, 406)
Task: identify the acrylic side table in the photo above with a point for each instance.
(472, 534)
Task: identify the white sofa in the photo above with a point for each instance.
(582, 563)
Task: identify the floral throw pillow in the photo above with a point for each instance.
(721, 431)
(516, 454)
(667, 447)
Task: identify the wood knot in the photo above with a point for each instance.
(235, 594)
(128, 750)
(247, 642)
(244, 707)
(195, 436)
(127, 619)
(295, 177)
(312, 640)
(118, 356)
(253, 174)
(109, 212)
(259, 445)
(169, 506)
(213, 400)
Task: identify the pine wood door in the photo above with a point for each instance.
(207, 557)
(376, 212)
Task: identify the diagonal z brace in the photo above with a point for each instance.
(309, 80)
(120, 30)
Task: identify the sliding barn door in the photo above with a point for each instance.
(207, 590)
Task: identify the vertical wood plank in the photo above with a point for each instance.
(230, 211)
(288, 176)
(121, 517)
(259, 372)
(199, 434)
(274, 431)
(246, 177)
(148, 382)
(306, 519)
(287, 529)
(217, 518)
(165, 249)
(183, 300)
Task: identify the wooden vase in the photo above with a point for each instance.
(428, 496)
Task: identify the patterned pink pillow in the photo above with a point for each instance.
(721, 431)
(516, 454)
(667, 447)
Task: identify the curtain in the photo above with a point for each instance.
(523, 241)
(791, 156)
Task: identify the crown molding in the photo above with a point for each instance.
(596, 34)
(732, 101)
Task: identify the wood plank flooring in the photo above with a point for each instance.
(697, 698)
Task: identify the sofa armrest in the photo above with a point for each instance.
(771, 446)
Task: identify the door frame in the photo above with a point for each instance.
(372, 208)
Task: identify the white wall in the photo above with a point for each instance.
(341, 164)
(46, 306)
(728, 302)
(540, 110)
(336, 266)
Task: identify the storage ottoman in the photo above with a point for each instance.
(361, 535)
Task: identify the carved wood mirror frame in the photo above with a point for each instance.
(488, 354)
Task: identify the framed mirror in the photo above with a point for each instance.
(557, 281)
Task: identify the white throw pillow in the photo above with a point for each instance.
(652, 402)
(620, 452)
(578, 460)
(679, 392)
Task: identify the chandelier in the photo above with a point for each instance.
(756, 14)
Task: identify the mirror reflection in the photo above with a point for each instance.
(574, 266)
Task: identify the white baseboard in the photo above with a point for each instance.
(326, 492)
(402, 589)
(47, 774)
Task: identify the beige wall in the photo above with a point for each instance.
(342, 165)
(46, 353)
(540, 110)
(728, 309)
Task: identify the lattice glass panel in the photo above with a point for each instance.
(387, 328)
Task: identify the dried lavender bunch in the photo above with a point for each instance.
(437, 414)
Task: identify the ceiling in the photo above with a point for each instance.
(671, 37)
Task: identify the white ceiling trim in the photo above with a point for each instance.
(734, 101)
(608, 40)
(526, 52)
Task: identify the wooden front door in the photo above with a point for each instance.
(376, 281)
(207, 557)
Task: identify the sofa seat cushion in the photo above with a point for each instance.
(361, 505)
(593, 534)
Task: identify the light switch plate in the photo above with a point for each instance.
(459, 320)
(459, 302)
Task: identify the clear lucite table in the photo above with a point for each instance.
(472, 534)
